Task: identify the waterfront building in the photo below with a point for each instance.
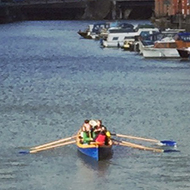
(172, 7)
(172, 14)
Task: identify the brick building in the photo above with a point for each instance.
(172, 7)
(172, 14)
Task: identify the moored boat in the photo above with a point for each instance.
(165, 48)
(148, 40)
(120, 37)
(184, 52)
(93, 149)
(168, 46)
(93, 30)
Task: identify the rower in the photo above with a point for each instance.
(86, 132)
(97, 129)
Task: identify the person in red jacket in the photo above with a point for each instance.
(101, 138)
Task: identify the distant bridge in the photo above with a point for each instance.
(136, 3)
(74, 9)
(34, 2)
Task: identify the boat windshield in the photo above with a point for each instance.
(99, 26)
(184, 36)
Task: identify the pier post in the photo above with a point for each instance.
(113, 11)
(127, 13)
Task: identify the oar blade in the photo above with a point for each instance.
(171, 150)
(24, 152)
(167, 143)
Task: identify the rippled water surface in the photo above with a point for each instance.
(51, 80)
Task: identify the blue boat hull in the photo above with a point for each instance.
(96, 152)
(93, 149)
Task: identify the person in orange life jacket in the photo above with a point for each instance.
(101, 138)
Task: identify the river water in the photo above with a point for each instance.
(51, 80)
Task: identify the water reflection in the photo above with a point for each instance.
(100, 166)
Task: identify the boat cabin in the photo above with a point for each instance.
(183, 39)
(115, 39)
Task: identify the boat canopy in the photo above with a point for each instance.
(184, 36)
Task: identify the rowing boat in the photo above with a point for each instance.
(94, 141)
(93, 149)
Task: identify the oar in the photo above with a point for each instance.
(161, 143)
(53, 142)
(47, 147)
(133, 145)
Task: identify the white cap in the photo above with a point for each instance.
(93, 123)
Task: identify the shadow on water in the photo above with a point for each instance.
(101, 165)
(185, 60)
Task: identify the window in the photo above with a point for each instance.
(115, 38)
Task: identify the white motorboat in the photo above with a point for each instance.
(168, 47)
(165, 48)
(117, 37)
(148, 40)
(93, 30)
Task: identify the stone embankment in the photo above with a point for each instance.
(175, 22)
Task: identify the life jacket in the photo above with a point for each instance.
(108, 134)
(86, 138)
(101, 139)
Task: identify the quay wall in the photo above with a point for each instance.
(175, 21)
